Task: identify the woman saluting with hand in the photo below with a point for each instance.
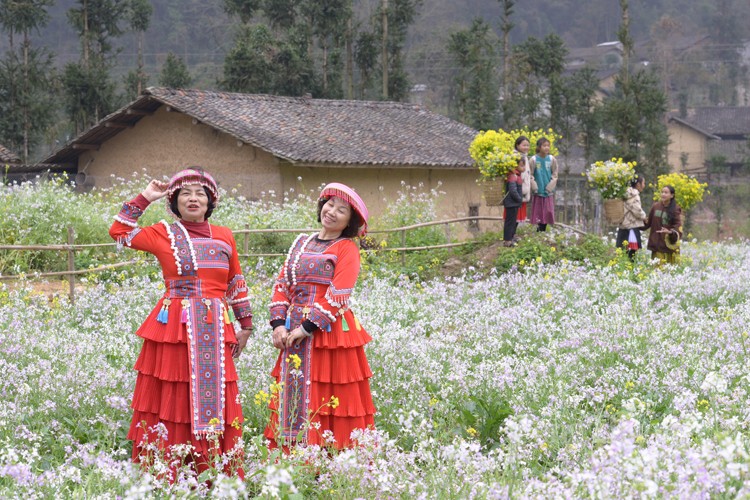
(186, 387)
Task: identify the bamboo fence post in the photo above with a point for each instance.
(71, 264)
(246, 245)
(403, 245)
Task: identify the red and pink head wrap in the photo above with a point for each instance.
(352, 198)
(191, 175)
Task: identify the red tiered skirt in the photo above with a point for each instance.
(339, 368)
(162, 392)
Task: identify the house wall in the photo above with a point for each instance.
(166, 142)
(379, 186)
(685, 140)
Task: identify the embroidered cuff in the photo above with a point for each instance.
(129, 215)
(278, 310)
(242, 308)
(321, 317)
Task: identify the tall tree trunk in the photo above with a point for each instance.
(25, 107)
(140, 62)
(349, 61)
(385, 49)
(86, 39)
(325, 64)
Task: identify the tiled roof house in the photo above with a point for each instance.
(258, 143)
(708, 132)
(13, 170)
(7, 156)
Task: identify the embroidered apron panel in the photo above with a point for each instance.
(207, 374)
(295, 394)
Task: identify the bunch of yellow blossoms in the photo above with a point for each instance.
(688, 192)
(612, 177)
(494, 150)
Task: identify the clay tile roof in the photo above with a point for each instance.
(313, 131)
(7, 156)
(721, 120)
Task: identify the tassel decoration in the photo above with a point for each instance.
(209, 316)
(288, 323)
(185, 308)
(225, 312)
(163, 316)
(231, 315)
(344, 324)
(356, 323)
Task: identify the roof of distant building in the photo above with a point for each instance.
(8, 156)
(718, 120)
(303, 130)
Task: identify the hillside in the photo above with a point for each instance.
(201, 32)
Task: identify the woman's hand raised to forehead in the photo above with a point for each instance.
(155, 190)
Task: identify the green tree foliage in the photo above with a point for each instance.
(634, 114)
(248, 66)
(139, 17)
(401, 14)
(327, 24)
(174, 73)
(506, 25)
(89, 94)
(577, 113)
(27, 78)
(89, 91)
(281, 14)
(366, 59)
(242, 9)
(476, 85)
(535, 69)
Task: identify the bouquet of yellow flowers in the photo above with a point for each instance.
(611, 178)
(687, 190)
(494, 150)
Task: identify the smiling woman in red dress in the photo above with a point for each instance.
(322, 369)
(186, 387)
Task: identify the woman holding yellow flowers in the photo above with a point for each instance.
(322, 372)
(634, 217)
(665, 222)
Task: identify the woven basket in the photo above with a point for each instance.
(614, 211)
(493, 192)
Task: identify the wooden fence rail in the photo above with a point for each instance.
(71, 248)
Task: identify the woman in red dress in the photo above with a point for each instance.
(322, 372)
(186, 387)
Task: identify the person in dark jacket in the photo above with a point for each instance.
(665, 222)
(512, 202)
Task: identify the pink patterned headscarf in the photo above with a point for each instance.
(191, 175)
(352, 198)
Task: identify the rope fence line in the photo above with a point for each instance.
(71, 248)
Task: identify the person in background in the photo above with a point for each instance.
(522, 146)
(634, 219)
(321, 372)
(186, 387)
(665, 222)
(512, 201)
(543, 183)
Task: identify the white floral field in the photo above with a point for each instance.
(549, 382)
